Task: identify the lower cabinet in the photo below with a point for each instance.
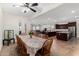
(62, 36)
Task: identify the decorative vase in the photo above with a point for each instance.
(30, 36)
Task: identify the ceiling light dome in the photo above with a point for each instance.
(73, 11)
(25, 10)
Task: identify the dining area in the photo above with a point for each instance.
(33, 46)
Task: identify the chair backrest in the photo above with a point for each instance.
(21, 45)
(17, 40)
(47, 44)
(45, 36)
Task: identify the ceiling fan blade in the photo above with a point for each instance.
(32, 9)
(34, 4)
(26, 4)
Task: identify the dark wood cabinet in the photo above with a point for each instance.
(62, 36)
(61, 26)
(70, 26)
(50, 34)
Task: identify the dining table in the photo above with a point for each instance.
(32, 44)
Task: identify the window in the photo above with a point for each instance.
(34, 28)
(52, 27)
(37, 28)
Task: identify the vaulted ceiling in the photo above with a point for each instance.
(46, 12)
(64, 13)
(41, 8)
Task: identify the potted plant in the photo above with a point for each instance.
(30, 33)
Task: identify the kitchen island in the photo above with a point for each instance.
(63, 35)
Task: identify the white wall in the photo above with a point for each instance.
(1, 28)
(49, 20)
(11, 22)
(77, 20)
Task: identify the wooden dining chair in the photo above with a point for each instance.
(45, 50)
(45, 36)
(21, 47)
(18, 45)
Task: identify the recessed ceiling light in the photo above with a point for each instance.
(48, 18)
(76, 16)
(73, 11)
(15, 5)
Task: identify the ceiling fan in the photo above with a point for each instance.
(29, 6)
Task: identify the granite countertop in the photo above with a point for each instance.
(63, 32)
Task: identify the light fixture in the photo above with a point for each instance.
(14, 5)
(73, 11)
(52, 27)
(17, 4)
(48, 18)
(25, 10)
(76, 16)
